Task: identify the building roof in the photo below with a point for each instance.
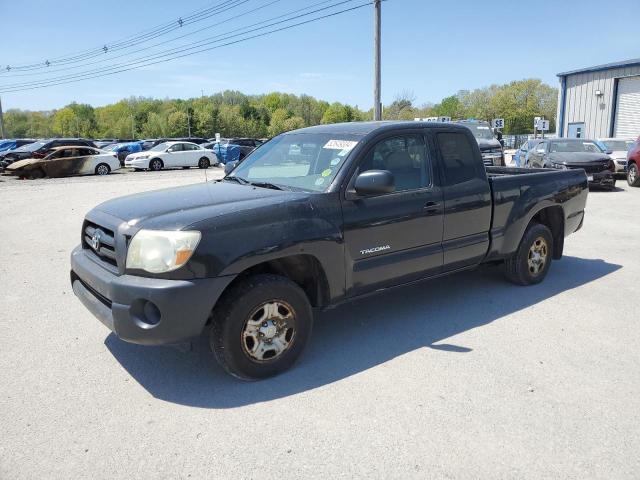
(607, 66)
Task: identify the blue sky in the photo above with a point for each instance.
(432, 48)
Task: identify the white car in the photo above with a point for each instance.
(618, 148)
(172, 155)
(67, 161)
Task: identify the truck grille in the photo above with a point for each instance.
(100, 241)
(591, 167)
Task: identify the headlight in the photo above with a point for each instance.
(157, 251)
(560, 166)
(140, 157)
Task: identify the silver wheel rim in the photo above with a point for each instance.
(155, 165)
(102, 170)
(537, 257)
(632, 174)
(269, 331)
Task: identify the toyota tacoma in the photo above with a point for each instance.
(313, 218)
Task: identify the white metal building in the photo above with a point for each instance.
(600, 102)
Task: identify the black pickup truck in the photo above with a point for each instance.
(313, 218)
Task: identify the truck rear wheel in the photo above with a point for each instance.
(530, 263)
(261, 326)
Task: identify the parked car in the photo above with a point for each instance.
(633, 164)
(232, 151)
(490, 146)
(374, 206)
(520, 157)
(121, 150)
(7, 145)
(42, 148)
(617, 149)
(575, 153)
(172, 155)
(66, 161)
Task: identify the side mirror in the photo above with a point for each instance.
(375, 182)
(608, 152)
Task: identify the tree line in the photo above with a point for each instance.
(233, 113)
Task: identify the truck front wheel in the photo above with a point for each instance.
(261, 326)
(530, 263)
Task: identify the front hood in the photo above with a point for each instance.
(578, 157)
(619, 154)
(178, 207)
(486, 144)
(23, 163)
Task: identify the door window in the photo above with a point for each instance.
(460, 164)
(406, 157)
(178, 147)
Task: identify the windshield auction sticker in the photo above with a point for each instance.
(340, 144)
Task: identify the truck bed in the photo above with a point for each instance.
(519, 192)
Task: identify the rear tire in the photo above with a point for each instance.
(530, 263)
(260, 327)
(102, 169)
(156, 165)
(633, 176)
(203, 162)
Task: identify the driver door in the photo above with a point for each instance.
(394, 238)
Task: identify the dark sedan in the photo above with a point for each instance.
(572, 153)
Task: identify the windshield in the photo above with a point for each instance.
(160, 147)
(31, 147)
(586, 146)
(480, 131)
(618, 145)
(308, 161)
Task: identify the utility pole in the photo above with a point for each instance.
(189, 122)
(2, 132)
(133, 128)
(377, 105)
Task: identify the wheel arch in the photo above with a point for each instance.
(553, 218)
(303, 269)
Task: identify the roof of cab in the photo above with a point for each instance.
(365, 128)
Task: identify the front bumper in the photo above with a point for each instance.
(492, 159)
(147, 311)
(136, 163)
(606, 179)
(621, 166)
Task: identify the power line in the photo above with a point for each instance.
(164, 42)
(179, 52)
(130, 41)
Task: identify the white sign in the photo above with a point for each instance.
(497, 123)
(217, 138)
(535, 121)
(543, 125)
(340, 144)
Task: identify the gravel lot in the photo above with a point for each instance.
(464, 377)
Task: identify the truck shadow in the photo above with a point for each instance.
(355, 337)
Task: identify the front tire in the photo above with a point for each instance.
(530, 263)
(633, 176)
(102, 169)
(156, 165)
(260, 327)
(203, 162)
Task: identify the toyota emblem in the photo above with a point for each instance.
(95, 240)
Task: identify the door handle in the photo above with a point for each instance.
(432, 207)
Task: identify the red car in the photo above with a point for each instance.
(633, 164)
